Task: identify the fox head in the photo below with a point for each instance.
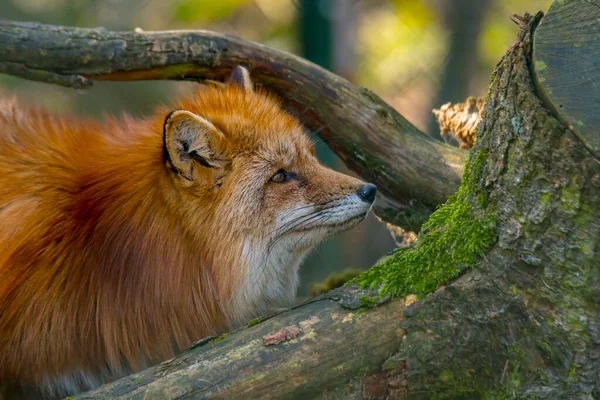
(250, 188)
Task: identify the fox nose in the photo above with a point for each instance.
(367, 192)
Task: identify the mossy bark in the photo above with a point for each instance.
(524, 322)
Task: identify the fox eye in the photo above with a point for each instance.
(281, 176)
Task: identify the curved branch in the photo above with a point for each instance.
(412, 170)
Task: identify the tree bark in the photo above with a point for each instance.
(303, 359)
(415, 173)
(525, 322)
(566, 69)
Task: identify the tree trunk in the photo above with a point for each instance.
(414, 172)
(524, 323)
(517, 315)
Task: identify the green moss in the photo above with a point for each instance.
(572, 373)
(253, 322)
(361, 312)
(454, 238)
(540, 66)
(585, 215)
(547, 350)
(513, 377)
(333, 281)
(460, 383)
(569, 196)
(545, 199)
(137, 381)
(220, 338)
(446, 376)
(366, 301)
(456, 385)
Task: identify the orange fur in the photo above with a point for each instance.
(111, 262)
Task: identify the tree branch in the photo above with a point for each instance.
(414, 172)
(289, 355)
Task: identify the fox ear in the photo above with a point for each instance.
(241, 78)
(190, 140)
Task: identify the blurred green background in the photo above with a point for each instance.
(415, 54)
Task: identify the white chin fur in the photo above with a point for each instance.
(272, 264)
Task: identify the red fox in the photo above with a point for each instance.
(122, 243)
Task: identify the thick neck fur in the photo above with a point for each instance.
(99, 219)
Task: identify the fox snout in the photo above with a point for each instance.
(336, 202)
